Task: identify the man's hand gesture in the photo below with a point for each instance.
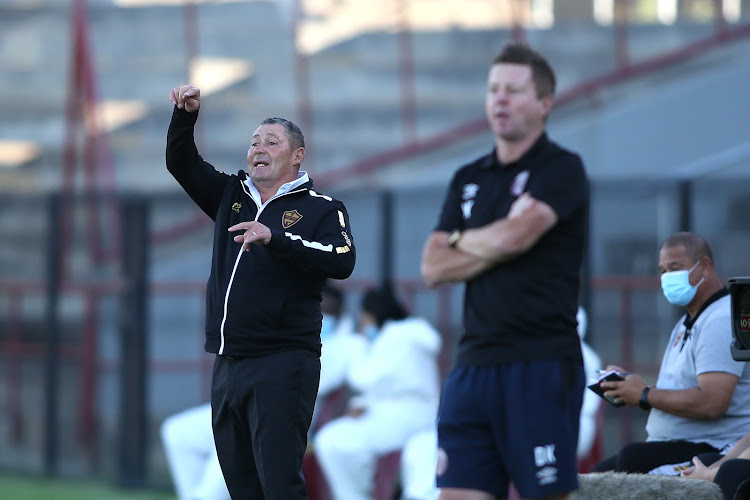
(186, 96)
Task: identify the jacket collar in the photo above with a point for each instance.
(302, 181)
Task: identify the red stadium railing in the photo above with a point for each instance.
(82, 351)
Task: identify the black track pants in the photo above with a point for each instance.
(262, 408)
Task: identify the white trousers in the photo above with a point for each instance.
(347, 448)
(189, 446)
(418, 463)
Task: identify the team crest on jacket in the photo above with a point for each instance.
(236, 207)
(290, 218)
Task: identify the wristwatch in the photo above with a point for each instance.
(454, 237)
(643, 403)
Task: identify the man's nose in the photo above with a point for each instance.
(500, 96)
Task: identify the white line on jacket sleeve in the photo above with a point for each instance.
(310, 244)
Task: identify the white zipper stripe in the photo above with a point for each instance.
(226, 300)
(310, 244)
(239, 255)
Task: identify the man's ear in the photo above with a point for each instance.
(298, 156)
(548, 102)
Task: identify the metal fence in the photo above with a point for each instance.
(94, 354)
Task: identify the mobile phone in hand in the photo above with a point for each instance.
(611, 376)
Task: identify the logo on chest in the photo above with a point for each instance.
(678, 338)
(236, 207)
(468, 194)
(290, 218)
(519, 183)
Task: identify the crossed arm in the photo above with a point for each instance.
(482, 248)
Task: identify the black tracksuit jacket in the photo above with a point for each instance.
(266, 300)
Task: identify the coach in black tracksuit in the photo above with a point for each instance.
(276, 241)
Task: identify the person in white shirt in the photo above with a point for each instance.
(592, 364)
(339, 340)
(397, 383)
(191, 454)
(699, 403)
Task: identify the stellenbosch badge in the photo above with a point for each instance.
(290, 218)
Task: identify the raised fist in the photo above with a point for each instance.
(187, 97)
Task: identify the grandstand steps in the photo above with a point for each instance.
(354, 88)
(354, 84)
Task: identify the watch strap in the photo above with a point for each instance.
(643, 402)
(454, 237)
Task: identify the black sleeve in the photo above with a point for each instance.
(562, 184)
(198, 178)
(330, 252)
(450, 216)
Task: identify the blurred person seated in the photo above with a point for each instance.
(395, 377)
(419, 459)
(191, 454)
(339, 339)
(731, 471)
(701, 400)
(419, 462)
(187, 436)
(592, 364)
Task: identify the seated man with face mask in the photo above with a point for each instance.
(396, 380)
(701, 400)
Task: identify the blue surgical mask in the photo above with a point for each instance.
(328, 327)
(677, 288)
(370, 332)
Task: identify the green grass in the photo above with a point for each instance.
(32, 488)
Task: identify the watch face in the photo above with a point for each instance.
(453, 238)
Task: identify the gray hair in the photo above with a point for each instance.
(695, 246)
(293, 132)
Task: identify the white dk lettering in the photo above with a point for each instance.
(544, 455)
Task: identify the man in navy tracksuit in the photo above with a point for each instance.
(276, 241)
